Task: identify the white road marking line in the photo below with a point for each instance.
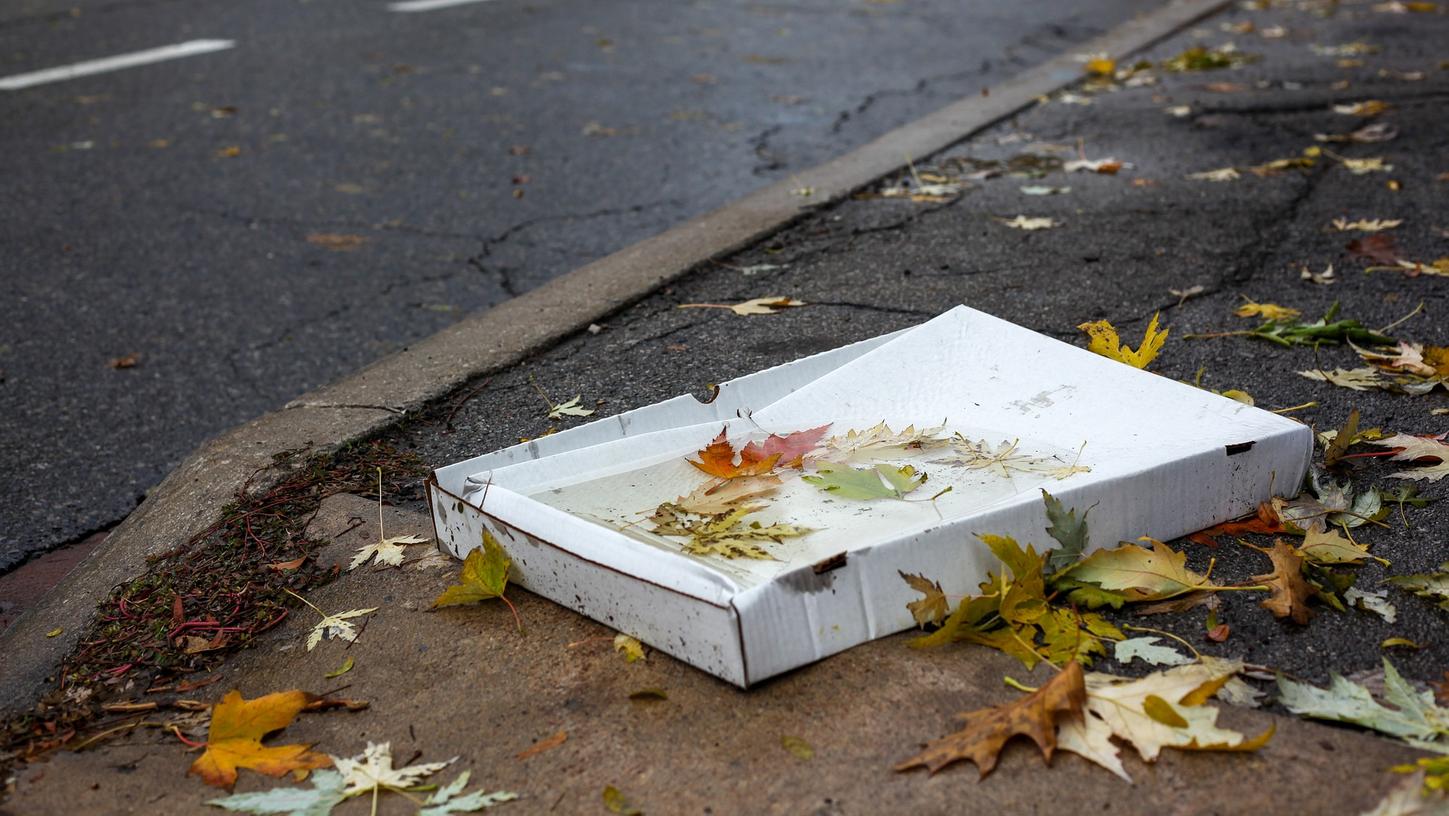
(116, 63)
(428, 5)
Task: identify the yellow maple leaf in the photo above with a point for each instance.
(1103, 340)
(632, 649)
(235, 738)
(1267, 311)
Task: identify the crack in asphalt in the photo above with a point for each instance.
(504, 274)
(383, 226)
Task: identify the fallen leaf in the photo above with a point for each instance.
(1375, 602)
(724, 534)
(1268, 311)
(1164, 709)
(1264, 522)
(1067, 530)
(1221, 174)
(372, 771)
(336, 242)
(1414, 448)
(484, 576)
(615, 802)
(1410, 715)
(723, 495)
(1140, 574)
(931, 609)
(343, 669)
(1367, 109)
(235, 739)
(1361, 167)
(788, 450)
(1200, 58)
(718, 459)
(1330, 547)
(1289, 593)
(987, 731)
(1103, 340)
(1100, 67)
(323, 794)
(862, 484)
(651, 694)
(1431, 585)
(1105, 167)
(630, 647)
(756, 306)
(1147, 650)
(56, 632)
(545, 744)
(446, 801)
(1367, 224)
(1022, 222)
(1356, 379)
(570, 408)
(228, 152)
(799, 747)
(1400, 643)
(1324, 278)
(880, 442)
(128, 361)
(1039, 190)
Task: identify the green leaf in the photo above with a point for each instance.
(862, 484)
(797, 746)
(616, 803)
(484, 575)
(343, 669)
(318, 800)
(1069, 531)
(1413, 715)
(1434, 585)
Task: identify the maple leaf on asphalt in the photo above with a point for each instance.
(718, 459)
(987, 731)
(1330, 547)
(339, 625)
(372, 771)
(570, 408)
(1268, 311)
(323, 794)
(1265, 522)
(1433, 585)
(1289, 592)
(1103, 340)
(1367, 225)
(235, 738)
(1414, 448)
(1410, 715)
(1356, 379)
(931, 609)
(1147, 650)
(1022, 222)
(386, 550)
(1164, 709)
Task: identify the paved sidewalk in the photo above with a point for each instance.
(465, 682)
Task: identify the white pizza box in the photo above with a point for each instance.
(1149, 455)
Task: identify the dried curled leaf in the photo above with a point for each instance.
(723, 534)
(931, 609)
(1103, 340)
(1268, 311)
(987, 731)
(1290, 593)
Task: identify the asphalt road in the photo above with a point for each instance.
(249, 223)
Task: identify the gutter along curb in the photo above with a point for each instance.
(368, 401)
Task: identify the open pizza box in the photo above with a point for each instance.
(991, 414)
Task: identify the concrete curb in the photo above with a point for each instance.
(369, 400)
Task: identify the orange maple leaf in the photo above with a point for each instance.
(790, 448)
(235, 738)
(1266, 522)
(718, 459)
(986, 731)
(1290, 592)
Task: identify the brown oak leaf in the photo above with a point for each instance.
(1290, 593)
(987, 731)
